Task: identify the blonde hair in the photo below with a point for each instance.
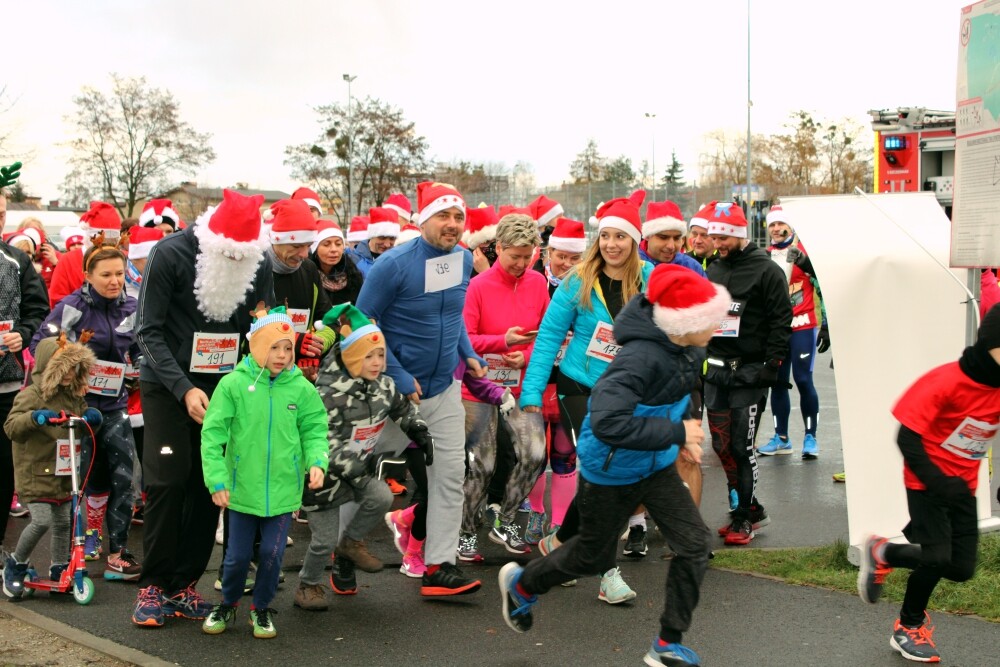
(516, 230)
(32, 222)
(591, 266)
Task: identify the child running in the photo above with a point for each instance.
(948, 418)
(359, 399)
(60, 383)
(260, 440)
(639, 421)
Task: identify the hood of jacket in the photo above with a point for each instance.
(52, 365)
(635, 322)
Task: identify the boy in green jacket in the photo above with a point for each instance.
(259, 441)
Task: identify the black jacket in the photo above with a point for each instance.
(302, 289)
(760, 287)
(168, 314)
(32, 306)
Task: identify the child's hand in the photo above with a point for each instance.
(692, 454)
(316, 475)
(221, 498)
(693, 433)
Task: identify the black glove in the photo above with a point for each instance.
(768, 376)
(823, 339)
(950, 489)
(93, 417)
(40, 417)
(796, 256)
(425, 442)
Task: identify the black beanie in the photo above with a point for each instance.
(989, 330)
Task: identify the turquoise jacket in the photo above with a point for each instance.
(259, 445)
(564, 314)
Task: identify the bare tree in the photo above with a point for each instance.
(131, 142)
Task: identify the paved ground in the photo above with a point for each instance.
(742, 620)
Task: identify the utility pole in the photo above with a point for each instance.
(652, 117)
(749, 105)
(350, 145)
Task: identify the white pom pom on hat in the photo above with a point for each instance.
(684, 302)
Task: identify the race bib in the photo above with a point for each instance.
(602, 344)
(214, 352)
(730, 325)
(972, 439)
(443, 272)
(300, 319)
(106, 378)
(364, 439)
(500, 372)
(562, 348)
(63, 468)
(6, 326)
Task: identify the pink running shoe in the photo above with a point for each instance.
(399, 525)
(413, 564)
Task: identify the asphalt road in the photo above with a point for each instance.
(741, 620)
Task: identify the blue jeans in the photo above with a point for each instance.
(242, 530)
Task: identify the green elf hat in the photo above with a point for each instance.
(359, 335)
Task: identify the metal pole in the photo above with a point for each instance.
(350, 144)
(652, 117)
(749, 104)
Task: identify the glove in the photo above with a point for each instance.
(307, 346)
(309, 368)
(40, 417)
(950, 489)
(425, 442)
(768, 376)
(93, 417)
(823, 339)
(9, 175)
(507, 403)
(795, 256)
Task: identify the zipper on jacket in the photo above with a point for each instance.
(607, 461)
(267, 466)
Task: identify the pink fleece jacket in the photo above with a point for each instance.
(497, 301)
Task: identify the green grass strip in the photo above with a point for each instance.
(828, 567)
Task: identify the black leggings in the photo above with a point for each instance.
(418, 470)
(733, 433)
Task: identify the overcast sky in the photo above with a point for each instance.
(483, 81)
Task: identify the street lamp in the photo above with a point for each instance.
(350, 143)
(652, 117)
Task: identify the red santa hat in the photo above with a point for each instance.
(508, 209)
(727, 219)
(158, 211)
(568, 236)
(435, 197)
(71, 235)
(623, 214)
(663, 216)
(480, 226)
(326, 229)
(399, 203)
(545, 210)
(141, 240)
(234, 223)
(17, 237)
(684, 302)
(292, 222)
(102, 217)
(777, 214)
(383, 221)
(358, 231)
(407, 233)
(700, 218)
(310, 198)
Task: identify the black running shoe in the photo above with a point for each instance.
(448, 580)
(342, 579)
(635, 544)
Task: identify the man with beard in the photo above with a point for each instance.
(416, 294)
(194, 309)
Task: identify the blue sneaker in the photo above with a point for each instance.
(92, 545)
(776, 446)
(536, 528)
(516, 607)
(675, 655)
(525, 506)
(148, 610)
(810, 450)
(734, 500)
(13, 578)
(187, 603)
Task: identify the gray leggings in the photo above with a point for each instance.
(46, 516)
(528, 436)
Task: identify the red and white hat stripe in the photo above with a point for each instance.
(150, 216)
(694, 318)
(621, 224)
(291, 236)
(442, 203)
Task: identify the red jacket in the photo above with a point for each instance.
(497, 301)
(67, 276)
(805, 313)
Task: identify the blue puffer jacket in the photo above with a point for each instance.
(566, 313)
(634, 427)
(113, 324)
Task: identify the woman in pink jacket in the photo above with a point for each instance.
(503, 309)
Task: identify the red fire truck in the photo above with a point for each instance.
(915, 151)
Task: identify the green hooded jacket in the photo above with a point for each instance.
(259, 445)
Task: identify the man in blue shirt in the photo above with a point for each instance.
(416, 293)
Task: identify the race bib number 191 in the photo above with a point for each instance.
(214, 352)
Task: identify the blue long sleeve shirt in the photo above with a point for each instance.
(424, 331)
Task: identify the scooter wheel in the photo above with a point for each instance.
(28, 578)
(87, 594)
